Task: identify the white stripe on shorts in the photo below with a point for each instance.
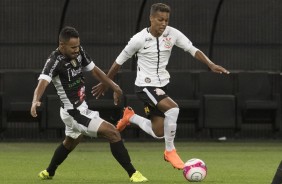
(73, 128)
(150, 96)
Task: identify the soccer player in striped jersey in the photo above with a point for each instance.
(64, 68)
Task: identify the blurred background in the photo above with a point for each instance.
(244, 36)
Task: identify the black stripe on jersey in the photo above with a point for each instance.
(79, 117)
(158, 64)
(86, 57)
(51, 63)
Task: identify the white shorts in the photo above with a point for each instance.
(81, 121)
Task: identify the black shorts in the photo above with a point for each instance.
(151, 96)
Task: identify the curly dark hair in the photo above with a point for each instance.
(67, 33)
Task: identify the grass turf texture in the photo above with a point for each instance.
(92, 162)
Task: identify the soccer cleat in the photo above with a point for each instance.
(44, 175)
(128, 112)
(137, 177)
(174, 159)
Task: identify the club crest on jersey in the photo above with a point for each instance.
(147, 80)
(79, 58)
(73, 63)
(168, 43)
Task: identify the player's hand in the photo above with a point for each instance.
(99, 90)
(34, 105)
(117, 95)
(218, 69)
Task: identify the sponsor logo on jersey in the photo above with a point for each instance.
(147, 110)
(45, 66)
(75, 83)
(53, 68)
(81, 93)
(75, 72)
(165, 35)
(148, 39)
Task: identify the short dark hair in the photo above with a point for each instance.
(159, 7)
(67, 33)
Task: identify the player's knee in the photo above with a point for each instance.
(109, 132)
(71, 143)
(113, 135)
(159, 132)
(172, 113)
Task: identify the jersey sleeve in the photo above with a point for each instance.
(50, 69)
(134, 44)
(87, 62)
(183, 42)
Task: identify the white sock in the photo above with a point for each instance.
(144, 124)
(170, 127)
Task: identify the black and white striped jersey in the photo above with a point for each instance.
(66, 75)
(153, 54)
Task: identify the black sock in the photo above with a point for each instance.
(277, 179)
(59, 156)
(121, 155)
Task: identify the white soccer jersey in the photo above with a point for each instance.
(153, 54)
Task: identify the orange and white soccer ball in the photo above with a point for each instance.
(195, 170)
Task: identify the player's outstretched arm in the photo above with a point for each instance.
(38, 92)
(105, 80)
(101, 88)
(199, 55)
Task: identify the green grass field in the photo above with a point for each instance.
(92, 162)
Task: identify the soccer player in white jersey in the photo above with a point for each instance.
(153, 47)
(64, 68)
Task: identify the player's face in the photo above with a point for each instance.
(159, 21)
(71, 48)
